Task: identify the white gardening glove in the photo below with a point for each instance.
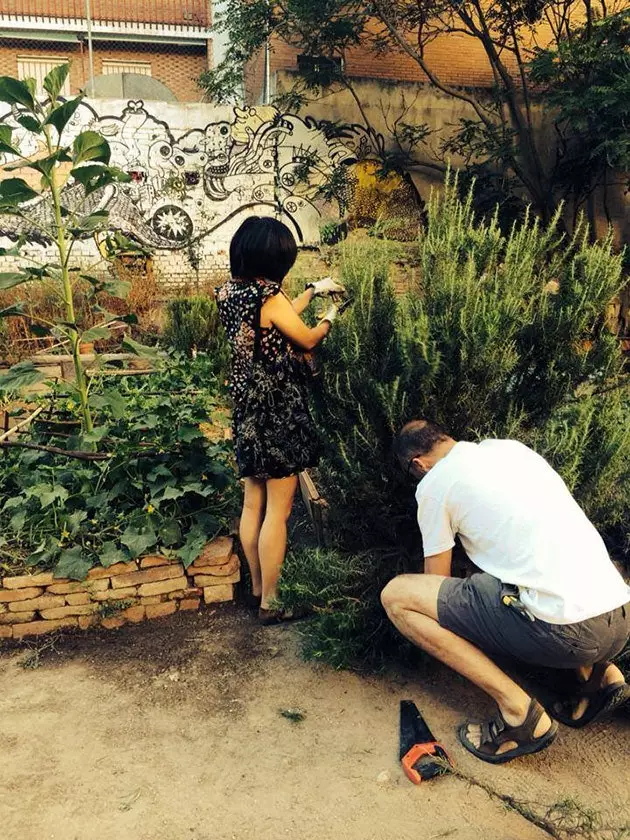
(327, 286)
(331, 314)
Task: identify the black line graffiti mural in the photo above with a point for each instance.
(190, 185)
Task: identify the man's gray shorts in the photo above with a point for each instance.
(472, 608)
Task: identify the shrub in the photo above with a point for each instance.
(193, 325)
(505, 335)
(165, 485)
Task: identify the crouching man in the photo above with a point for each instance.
(548, 593)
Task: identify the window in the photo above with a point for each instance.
(38, 67)
(111, 67)
(310, 65)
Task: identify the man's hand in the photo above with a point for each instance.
(439, 564)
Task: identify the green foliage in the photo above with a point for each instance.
(164, 487)
(504, 336)
(586, 79)
(193, 325)
(62, 217)
(332, 232)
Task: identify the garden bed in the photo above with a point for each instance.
(149, 587)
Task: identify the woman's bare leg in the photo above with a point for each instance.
(272, 545)
(252, 518)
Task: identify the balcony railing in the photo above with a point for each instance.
(173, 12)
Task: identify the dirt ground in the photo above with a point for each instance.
(172, 731)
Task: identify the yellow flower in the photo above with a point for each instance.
(70, 405)
(65, 534)
(204, 477)
(150, 509)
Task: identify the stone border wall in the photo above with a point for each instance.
(146, 588)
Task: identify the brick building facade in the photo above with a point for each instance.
(168, 40)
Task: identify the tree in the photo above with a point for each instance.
(586, 80)
(500, 139)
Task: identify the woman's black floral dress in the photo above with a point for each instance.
(274, 433)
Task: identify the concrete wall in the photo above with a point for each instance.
(384, 101)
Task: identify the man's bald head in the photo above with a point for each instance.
(417, 439)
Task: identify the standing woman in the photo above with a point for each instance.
(274, 435)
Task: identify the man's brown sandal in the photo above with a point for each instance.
(602, 700)
(496, 732)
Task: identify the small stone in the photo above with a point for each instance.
(86, 621)
(384, 778)
(9, 595)
(39, 628)
(153, 599)
(210, 580)
(113, 571)
(135, 614)
(216, 594)
(43, 602)
(190, 604)
(223, 570)
(153, 560)
(161, 587)
(160, 610)
(24, 581)
(215, 553)
(62, 612)
(113, 623)
(78, 586)
(77, 598)
(148, 576)
(6, 632)
(17, 617)
(116, 594)
(174, 676)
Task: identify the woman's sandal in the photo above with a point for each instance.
(496, 732)
(267, 617)
(252, 602)
(602, 700)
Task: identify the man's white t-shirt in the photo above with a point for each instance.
(517, 521)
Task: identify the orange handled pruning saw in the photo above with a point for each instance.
(422, 757)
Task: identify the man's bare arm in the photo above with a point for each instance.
(439, 564)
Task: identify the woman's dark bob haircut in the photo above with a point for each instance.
(262, 247)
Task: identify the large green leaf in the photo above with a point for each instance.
(95, 334)
(117, 288)
(138, 540)
(6, 147)
(116, 402)
(95, 221)
(61, 115)
(14, 191)
(29, 123)
(193, 546)
(170, 533)
(73, 564)
(54, 81)
(15, 92)
(91, 146)
(9, 279)
(109, 553)
(139, 349)
(74, 520)
(20, 376)
(56, 493)
(15, 309)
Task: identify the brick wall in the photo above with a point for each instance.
(176, 66)
(187, 12)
